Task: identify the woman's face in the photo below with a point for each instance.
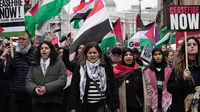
(192, 47)
(164, 48)
(80, 48)
(60, 53)
(128, 58)
(170, 57)
(92, 55)
(157, 56)
(45, 51)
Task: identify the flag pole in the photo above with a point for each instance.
(114, 32)
(11, 48)
(69, 18)
(186, 54)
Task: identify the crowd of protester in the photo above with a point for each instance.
(41, 77)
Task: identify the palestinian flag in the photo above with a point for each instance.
(42, 14)
(163, 32)
(13, 22)
(1, 30)
(96, 26)
(165, 40)
(108, 42)
(117, 30)
(52, 6)
(151, 33)
(139, 23)
(140, 39)
(29, 18)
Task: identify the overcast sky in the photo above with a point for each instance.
(126, 4)
(122, 4)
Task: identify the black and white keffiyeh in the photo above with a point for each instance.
(95, 72)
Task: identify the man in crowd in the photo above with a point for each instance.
(20, 100)
(116, 55)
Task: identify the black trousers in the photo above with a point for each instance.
(66, 100)
(130, 109)
(47, 107)
(20, 102)
(92, 107)
(4, 96)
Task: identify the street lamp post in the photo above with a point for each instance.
(140, 7)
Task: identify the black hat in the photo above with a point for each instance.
(116, 50)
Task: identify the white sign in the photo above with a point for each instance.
(12, 17)
(147, 53)
(11, 11)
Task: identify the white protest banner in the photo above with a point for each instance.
(183, 18)
(12, 17)
(146, 53)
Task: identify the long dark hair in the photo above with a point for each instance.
(179, 63)
(83, 55)
(53, 54)
(76, 52)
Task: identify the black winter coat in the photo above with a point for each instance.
(134, 88)
(19, 67)
(179, 90)
(112, 92)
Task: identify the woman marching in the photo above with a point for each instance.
(133, 86)
(159, 73)
(185, 83)
(46, 80)
(93, 88)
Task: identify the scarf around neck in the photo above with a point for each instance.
(93, 71)
(23, 50)
(120, 69)
(44, 65)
